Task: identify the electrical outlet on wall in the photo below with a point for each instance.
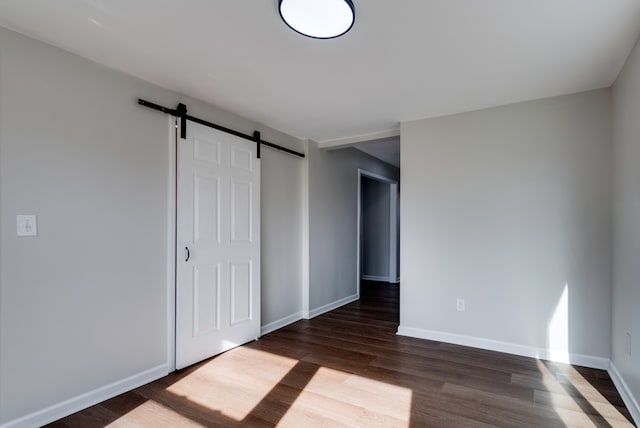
(26, 225)
(460, 305)
(628, 344)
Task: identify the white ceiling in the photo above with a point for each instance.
(403, 60)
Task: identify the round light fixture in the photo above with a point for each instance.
(320, 19)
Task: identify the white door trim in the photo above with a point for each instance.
(393, 233)
(393, 217)
(171, 243)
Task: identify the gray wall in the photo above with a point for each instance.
(375, 229)
(626, 232)
(281, 216)
(85, 304)
(333, 197)
(504, 207)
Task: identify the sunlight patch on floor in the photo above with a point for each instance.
(333, 396)
(574, 410)
(235, 382)
(152, 413)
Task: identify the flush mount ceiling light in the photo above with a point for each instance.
(320, 19)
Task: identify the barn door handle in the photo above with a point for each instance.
(188, 254)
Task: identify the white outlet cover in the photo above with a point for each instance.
(27, 225)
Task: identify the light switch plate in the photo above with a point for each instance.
(27, 225)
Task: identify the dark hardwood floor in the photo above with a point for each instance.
(349, 368)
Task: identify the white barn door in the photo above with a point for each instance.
(218, 244)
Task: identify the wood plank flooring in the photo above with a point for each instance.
(349, 368)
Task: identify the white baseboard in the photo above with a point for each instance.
(375, 278)
(627, 396)
(330, 306)
(283, 322)
(72, 405)
(509, 348)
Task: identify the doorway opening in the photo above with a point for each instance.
(378, 229)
